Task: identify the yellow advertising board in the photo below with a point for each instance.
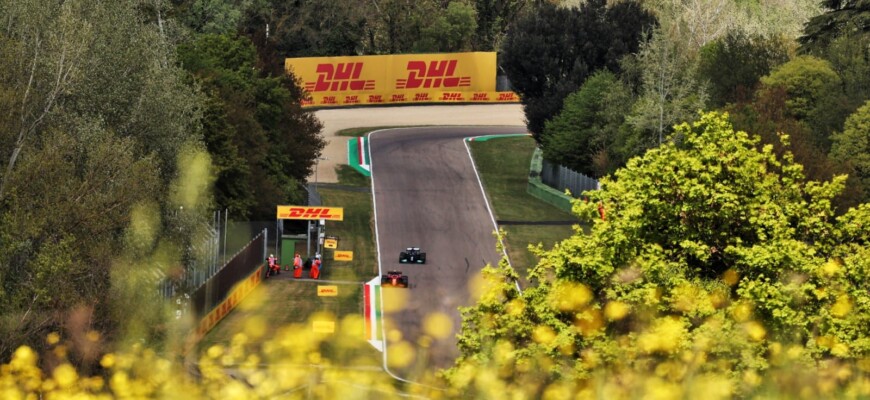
(311, 213)
(399, 78)
(342, 255)
(324, 326)
(330, 243)
(327, 291)
(406, 97)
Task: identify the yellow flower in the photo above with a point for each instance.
(842, 307)
(108, 360)
(616, 310)
(830, 268)
(666, 335)
(52, 338)
(730, 277)
(569, 296)
(755, 330)
(439, 325)
(751, 378)
(93, 336)
(588, 321)
(840, 349)
(825, 341)
(65, 375)
(742, 311)
(22, 358)
(543, 334)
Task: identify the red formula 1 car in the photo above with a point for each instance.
(394, 279)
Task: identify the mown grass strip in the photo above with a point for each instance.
(503, 165)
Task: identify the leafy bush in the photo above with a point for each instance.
(712, 269)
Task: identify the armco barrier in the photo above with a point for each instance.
(543, 192)
(213, 300)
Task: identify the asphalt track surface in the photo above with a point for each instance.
(427, 194)
(337, 119)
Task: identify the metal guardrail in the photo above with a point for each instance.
(561, 178)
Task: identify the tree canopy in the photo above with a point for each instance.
(582, 137)
(843, 17)
(548, 53)
(712, 255)
(853, 146)
(264, 144)
(93, 117)
(734, 64)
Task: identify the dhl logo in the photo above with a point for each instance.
(328, 100)
(343, 255)
(434, 75)
(339, 77)
(508, 96)
(452, 96)
(480, 97)
(421, 97)
(351, 99)
(398, 98)
(311, 213)
(327, 290)
(376, 98)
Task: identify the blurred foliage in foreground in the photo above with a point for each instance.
(717, 272)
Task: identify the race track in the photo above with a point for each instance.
(427, 195)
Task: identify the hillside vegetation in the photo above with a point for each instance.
(726, 263)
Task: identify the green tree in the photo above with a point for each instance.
(582, 136)
(215, 16)
(450, 31)
(93, 116)
(393, 26)
(853, 146)
(706, 255)
(262, 143)
(733, 65)
(849, 56)
(814, 95)
(493, 19)
(550, 51)
(767, 117)
(843, 17)
(670, 91)
(307, 28)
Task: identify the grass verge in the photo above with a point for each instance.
(280, 302)
(503, 165)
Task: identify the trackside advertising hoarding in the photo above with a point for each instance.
(399, 78)
(311, 213)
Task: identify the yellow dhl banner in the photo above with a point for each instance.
(331, 100)
(398, 78)
(327, 290)
(343, 255)
(311, 213)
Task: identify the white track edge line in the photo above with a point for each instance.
(378, 254)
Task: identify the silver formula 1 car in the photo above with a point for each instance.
(412, 255)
